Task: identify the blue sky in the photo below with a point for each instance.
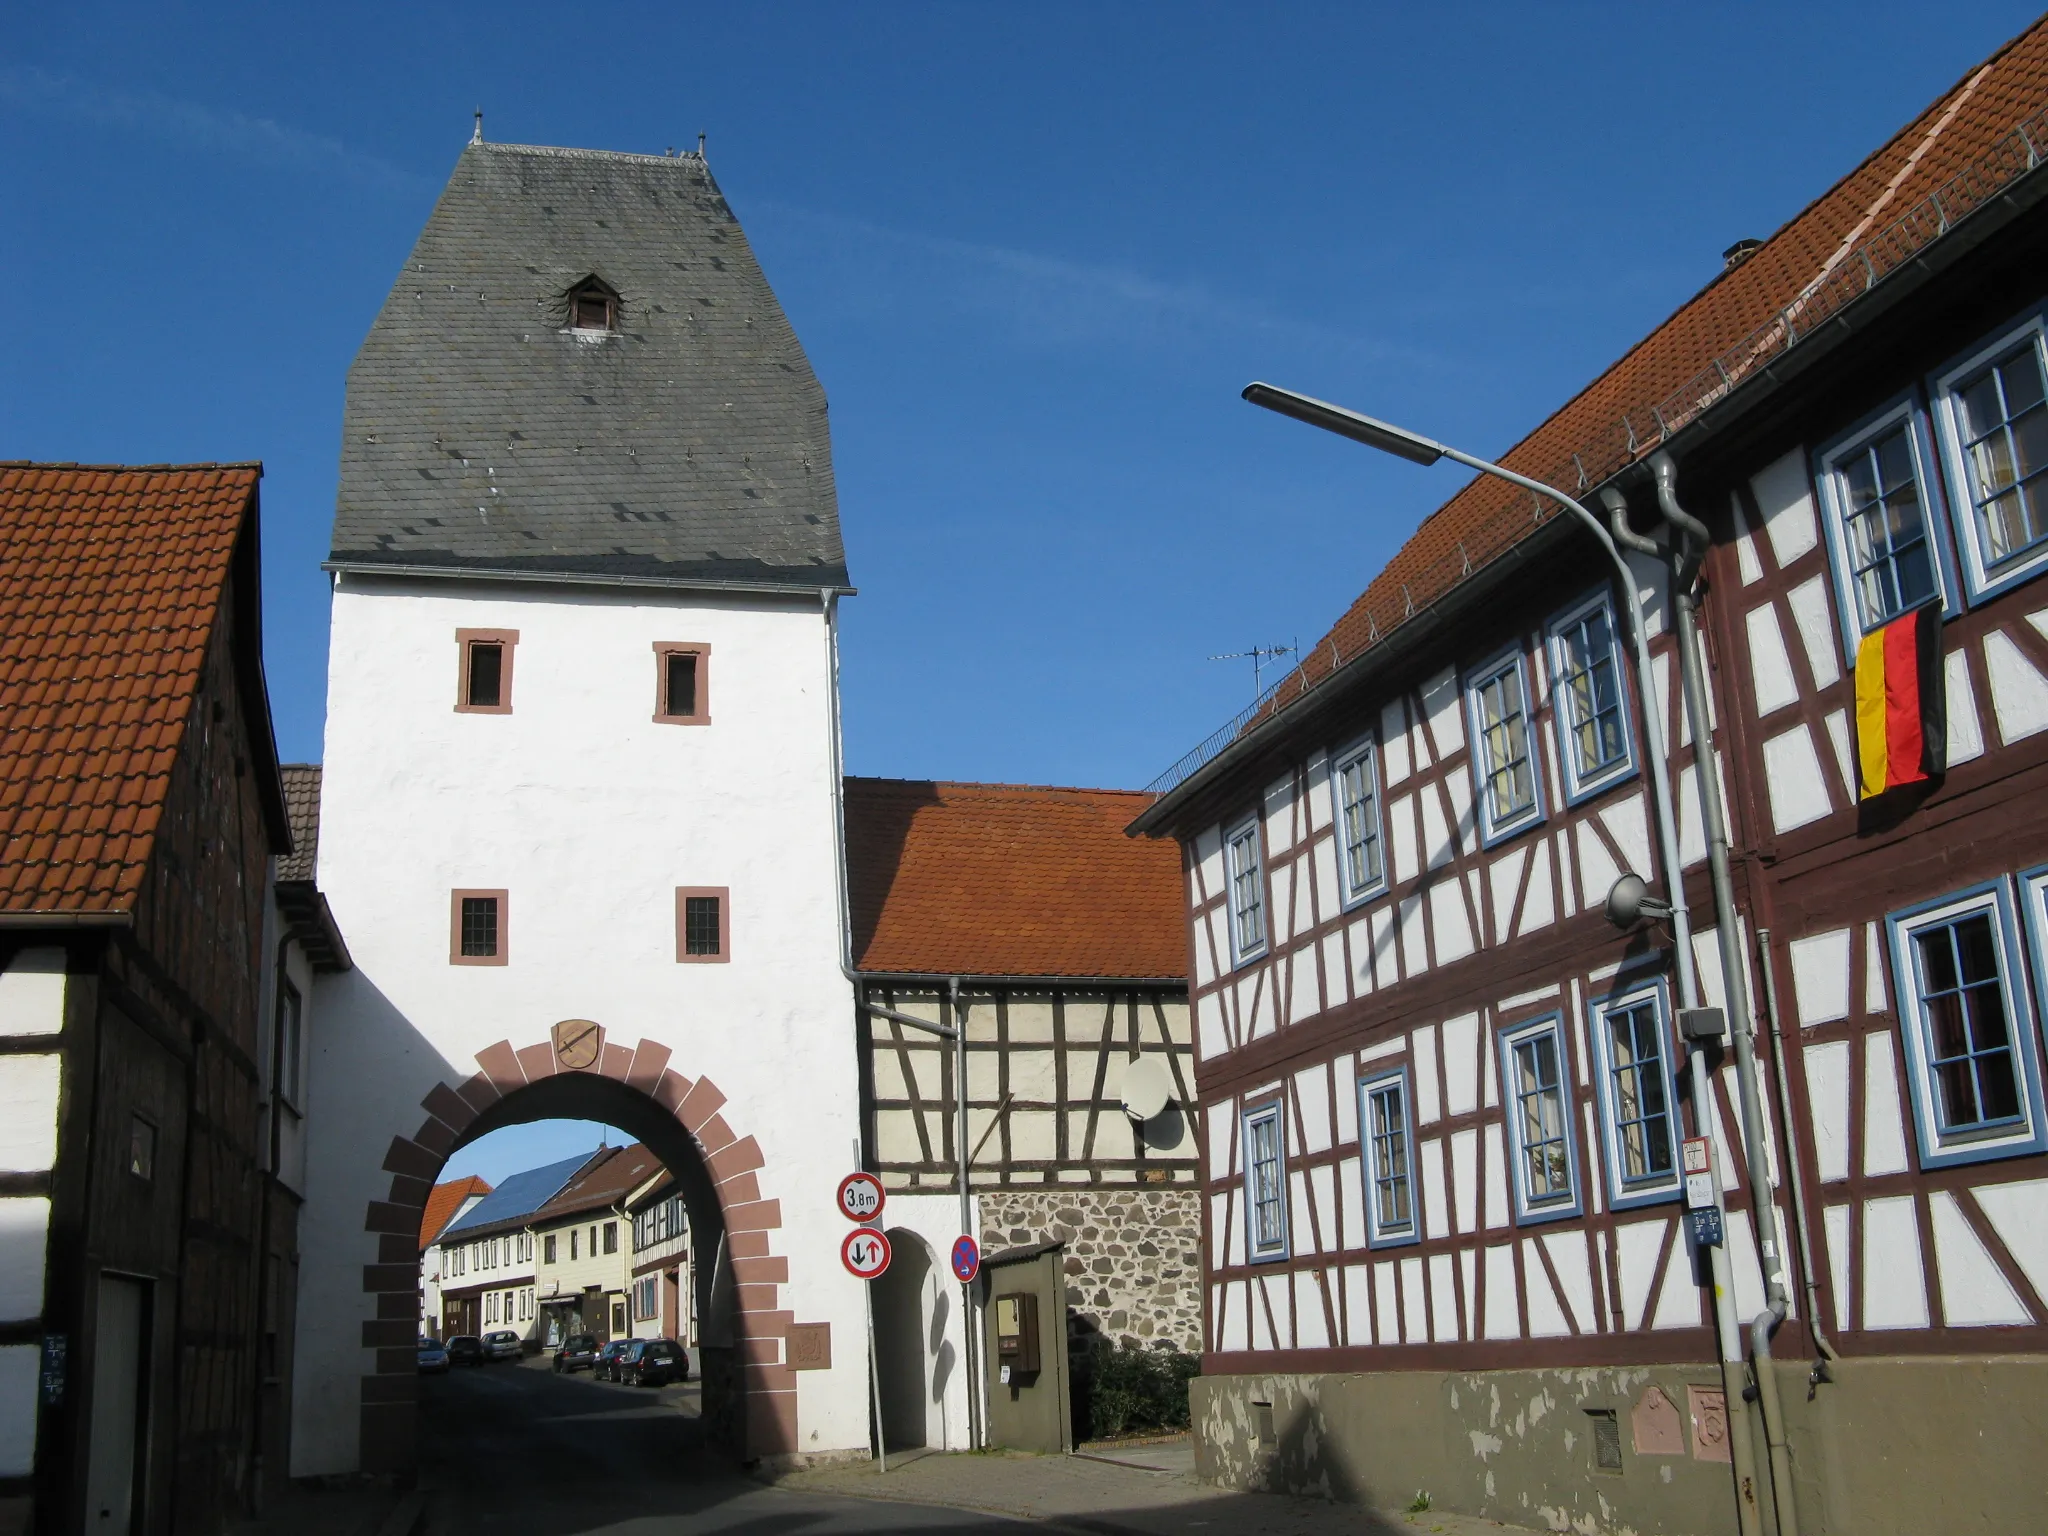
(1033, 253)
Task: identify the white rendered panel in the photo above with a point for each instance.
(1873, 972)
(1546, 1316)
(1636, 1247)
(1465, 1177)
(1336, 970)
(1438, 846)
(1464, 817)
(2019, 694)
(1818, 634)
(1884, 1126)
(1301, 1236)
(1571, 1259)
(1233, 1331)
(1446, 719)
(1503, 1316)
(1318, 792)
(1792, 771)
(1385, 1305)
(1394, 743)
(1679, 1302)
(1209, 863)
(1279, 806)
(1820, 976)
(1597, 869)
(1414, 948)
(1893, 1296)
(1827, 1088)
(1747, 564)
(1504, 882)
(1770, 667)
(1426, 1099)
(1311, 1320)
(28, 1112)
(1351, 1192)
(1974, 1293)
(1461, 1064)
(1357, 1306)
(24, 1243)
(1435, 1193)
(1450, 921)
(1539, 907)
(1386, 968)
(1401, 838)
(1346, 1069)
(32, 993)
(1496, 1177)
(1836, 724)
(1414, 1303)
(1443, 1298)
(1784, 496)
(2018, 1213)
(1965, 727)
(1322, 1188)
(1835, 1222)
(1626, 822)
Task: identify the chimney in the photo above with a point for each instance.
(1738, 253)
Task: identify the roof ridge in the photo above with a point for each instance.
(568, 152)
(1047, 789)
(133, 469)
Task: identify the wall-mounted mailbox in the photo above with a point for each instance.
(1017, 1334)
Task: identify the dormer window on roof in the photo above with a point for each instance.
(593, 306)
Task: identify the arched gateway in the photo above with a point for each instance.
(749, 1398)
(581, 764)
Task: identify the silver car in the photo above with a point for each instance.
(503, 1345)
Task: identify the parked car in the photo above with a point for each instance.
(654, 1362)
(578, 1352)
(433, 1357)
(466, 1349)
(606, 1366)
(503, 1345)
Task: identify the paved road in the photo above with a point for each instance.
(511, 1450)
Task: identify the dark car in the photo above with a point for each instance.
(653, 1362)
(433, 1357)
(466, 1349)
(606, 1366)
(578, 1352)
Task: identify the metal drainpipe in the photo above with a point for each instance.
(1741, 1016)
(1801, 1233)
(1727, 1325)
(829, 602)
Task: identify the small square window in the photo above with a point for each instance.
(480, 923)
(682, 683)
(1355, 782)
(1247, 881)
(1390, 1196)
(142, 1149)
(1506, 774)
(1537, 1093)
(484, 685)
(703, 924)
(1265, 1183)
(1592, 698)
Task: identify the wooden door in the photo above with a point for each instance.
(120, 1406)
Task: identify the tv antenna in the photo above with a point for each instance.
(1259, 656)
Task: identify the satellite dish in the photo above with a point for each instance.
(1147, 1087)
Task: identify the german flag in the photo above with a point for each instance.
(1901, 710)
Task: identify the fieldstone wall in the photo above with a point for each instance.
(1133, 1260)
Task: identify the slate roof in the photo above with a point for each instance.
(443, 1201)
(111, 579)
(606, 1180)
(1009, 880)
(520, 1195)
(481, 435)
(1964, 145)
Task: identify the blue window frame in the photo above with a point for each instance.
(1637, 1070)
(1361, 850)
(1536, 1091)
(1392, 1200)
(1591, 698)
(1507, 779)
(1971, 1049)
(1880, 507)
(1265, 1183)
(1991, 414)
(1245, 875)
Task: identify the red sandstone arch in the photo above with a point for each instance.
(762, 1421)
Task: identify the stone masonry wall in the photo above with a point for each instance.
(1133, 1260)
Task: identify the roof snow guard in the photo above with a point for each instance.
(1964, 153)
(492, 428)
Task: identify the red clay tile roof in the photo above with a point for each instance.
(443, 1201)
(1810, 267)
(1009, 880)
(110, 579)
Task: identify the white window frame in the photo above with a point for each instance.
(1246, 832)
(1492, 831)
(1578, 784)
(1261, 1246)
(2029, 1134)
(1393, 1080)
(1978, 581)
(1827, 460)
(1553, 1208)
(1624, 1192)
(1365, 752)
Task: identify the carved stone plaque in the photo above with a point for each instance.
(1709, 1407)
(810, 1346)
(578, 1044)
(1655, 1424)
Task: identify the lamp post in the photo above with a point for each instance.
(1417, 449)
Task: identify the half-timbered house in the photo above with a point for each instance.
(1025, 916)
(1444, 1098)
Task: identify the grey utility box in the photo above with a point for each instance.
(1024, 1349)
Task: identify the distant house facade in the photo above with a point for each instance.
(1449, 1108)
(146, 1185)
(485, 1257)
(1025, 913)
(583, 1241)
(663, 1303)
(449, 1201)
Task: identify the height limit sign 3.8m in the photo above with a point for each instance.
(860, 1197)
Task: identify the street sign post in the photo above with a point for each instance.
(865, 1253)
(966, 1259)
(860, 1197)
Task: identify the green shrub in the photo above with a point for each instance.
(1132, 1388)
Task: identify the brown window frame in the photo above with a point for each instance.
(594, 287)
(683, 895)
(507, 640)
(663, 649)
(455, 954)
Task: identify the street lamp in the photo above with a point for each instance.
(1417, 449)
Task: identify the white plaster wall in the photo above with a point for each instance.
(935, 1219)
(590, 815)
(32, 1010)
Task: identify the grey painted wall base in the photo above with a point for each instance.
(1892, 1446)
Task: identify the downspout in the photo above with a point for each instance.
(266, 1195)
(1693, 541)
(1801, 1232)
(829, 601)
(1727, 1325)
